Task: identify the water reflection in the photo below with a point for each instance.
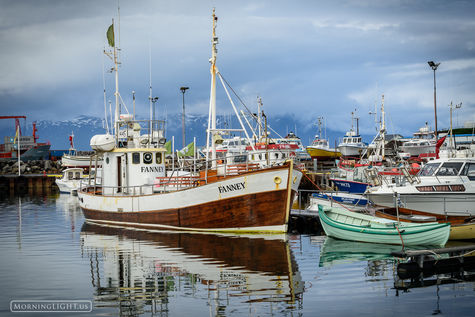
(138, 271)
(336, 251)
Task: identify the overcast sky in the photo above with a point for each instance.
(304, 58)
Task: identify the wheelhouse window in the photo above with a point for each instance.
(469, 170)
(159, 158)
(449, 169)
(135, 158)
(429, 169)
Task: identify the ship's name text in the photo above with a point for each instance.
(231, 188)
(148, 169)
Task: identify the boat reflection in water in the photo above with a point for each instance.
(141, 271)
(335, 251)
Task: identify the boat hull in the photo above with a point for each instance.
(357, 228)
(350, 150)
(76, 161)
(259, 203)
(444, 204)
(352, 187)
(464, 231)
(322, 154)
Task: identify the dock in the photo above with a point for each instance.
(429, 262)
(28, 183)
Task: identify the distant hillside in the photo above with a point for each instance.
(84, 127)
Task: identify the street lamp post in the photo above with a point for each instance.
(183, 90)
(434, 68)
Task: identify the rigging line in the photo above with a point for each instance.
(237, 96)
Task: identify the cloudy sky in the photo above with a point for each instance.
(304, 58)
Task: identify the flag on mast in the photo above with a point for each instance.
(110, 35)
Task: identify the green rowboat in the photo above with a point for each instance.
(348, 225)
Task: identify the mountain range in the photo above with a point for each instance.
(84, 127)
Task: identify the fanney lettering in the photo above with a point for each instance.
(232, 187)
(147, 169)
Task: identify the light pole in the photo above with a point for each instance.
(183, 90)
(434, 68)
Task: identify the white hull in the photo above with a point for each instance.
(251, 189)
(349, 150)
(417, 150)
(68, 186)
(439, 204)
(76, 161)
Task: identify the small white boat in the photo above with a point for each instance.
(348, 225)
(70, 182)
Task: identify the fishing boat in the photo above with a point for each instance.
(249, 200)
(348, 225)
(320, 149)
(352, 144)
(444, 187)
(422, 143)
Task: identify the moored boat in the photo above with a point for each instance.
(347, 225)
(250, 200)
(337, 199)
(443, 187)
(70, 181)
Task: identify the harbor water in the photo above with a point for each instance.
(49, 253)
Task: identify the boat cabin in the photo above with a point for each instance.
(449, 168)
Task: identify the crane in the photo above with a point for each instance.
(17, 121)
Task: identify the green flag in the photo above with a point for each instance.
(110, 35)
(168, 146)
(188, 150)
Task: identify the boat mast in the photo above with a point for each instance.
(320, 122)
(383, 129)
(212, 100)
(111, 40)
(259, 116)
(116, 68)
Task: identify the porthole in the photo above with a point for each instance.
(107, 160)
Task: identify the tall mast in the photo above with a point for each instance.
(259, 116)
(116, 69)
(383, 129)
(111, 40)
(212, 100)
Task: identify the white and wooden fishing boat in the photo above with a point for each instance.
(348, 225)
(248, 200)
